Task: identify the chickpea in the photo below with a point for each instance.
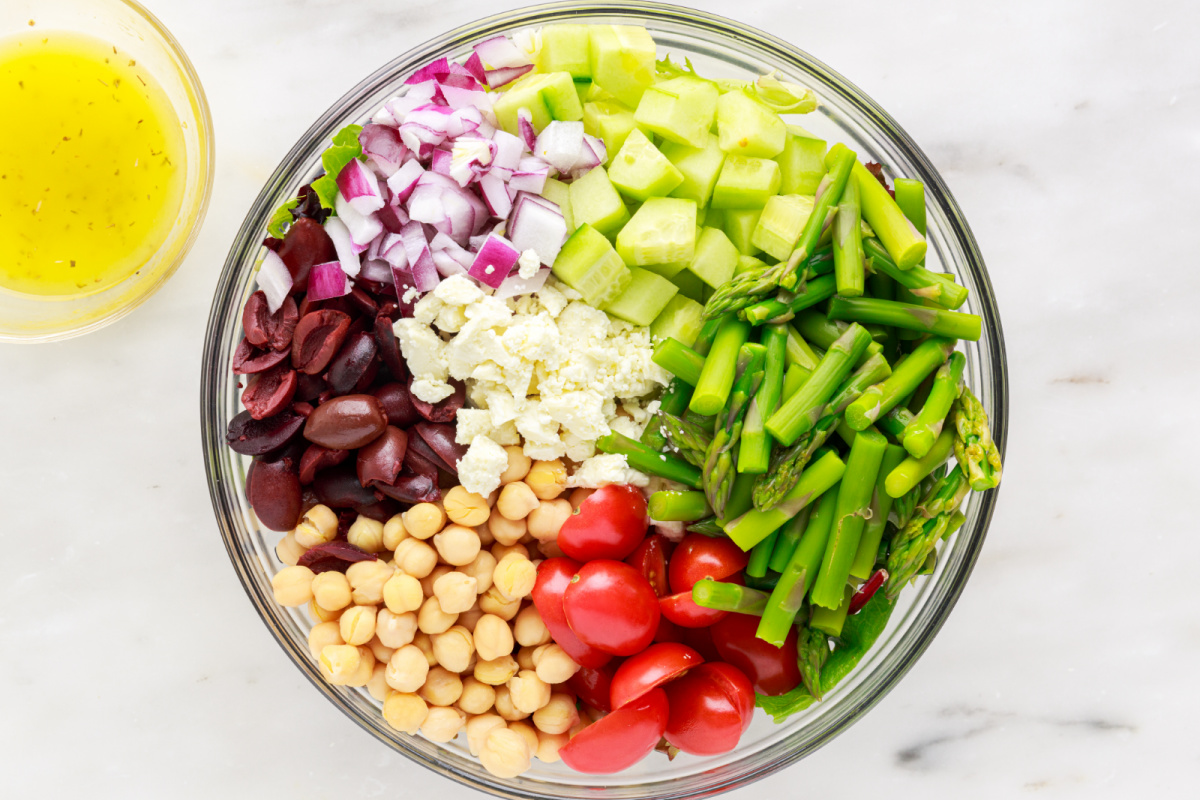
(514, 576)
(366, 668)
(528, 628)
(383, 654)
(516, 501)
(528, 732)
(496, 671)
(528, 691)
(492, 602)
(499, 551)
(366, 533)
(377, 687)
(550, 549)
(395, 630)
(485, 535)
(481, 569)
(457, 545)
(322, 614)
(442, 724)
(553, 664)
(366, 581)
(402, 593)
(453, 648)
(545, 521)
(292, 586)
(405, 711)
(357, 624)
(549, 744)
(505, 707)
(578, 496)
(518, 465)
(415, 558)
(322, 635)
(318, 526)
(477, 697)
(466, 508)
(505, 530)
(525, 658)
(558, 715)
(289, 550)
(547, 479)
(424, 643)
(331, 590)
(493, 637)
(339, 663)
(479, 727)
(394, 532)
(442, 687)
(505, 753)
(407, 670)
(432, 619)
(428, 581)
(455, 592)
(424, 520)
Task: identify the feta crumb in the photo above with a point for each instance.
(410, 294)
(528, 264)
(604, 469)
(458, 290)
(480, 469)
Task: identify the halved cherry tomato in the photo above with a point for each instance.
(608, 524)
(554, 576)
(621, 739)
(650, 559)
(700, 640)
(611, 607)
(683, 611)
(772, 670)
(594, 686)
(710, 709)
(652, 667)
(699, 556)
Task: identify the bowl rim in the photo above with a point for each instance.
(923, 629)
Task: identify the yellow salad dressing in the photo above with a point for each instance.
(91, 164)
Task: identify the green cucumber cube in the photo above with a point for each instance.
(560, 193)
(699, 166)
(802, 162)
(690, 285)
(715, 258)
(748, 263)
(565, 49)
(525, 93)
(609, 120)
(640, 171)
(681, 319)
(589, 265)
(667, 270)
(560, 97)
(779, 226)
(748, 128)
(595, 202)
(643, 299)
(739, 227)
(663, 231)
(679, 110)
(745, 182)
(622, 60)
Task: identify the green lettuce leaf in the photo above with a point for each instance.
(784, 705)
(281, 220)
(345, 149)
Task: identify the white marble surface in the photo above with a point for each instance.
(131, 663)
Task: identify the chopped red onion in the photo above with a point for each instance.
(447, 265)
(499, 52)
(402, 183)
(537, 226)
(474, 66)
(440, 162)
(430, 71)
(379, 271)
(502, 77)
(360, 188)
(495, 194)
(382, 144)
(392, 250)
(425, 203)
(525, 128)
(420, 260)
(393, 217)
(362, 227)
(494, 261)
(514, 285)
(274, 279)
(560, 144)
(342, 245)
(509, 150)
(326, 281)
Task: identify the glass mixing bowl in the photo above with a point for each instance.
(718, 48)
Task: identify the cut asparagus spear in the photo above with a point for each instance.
(717, 375)
(973, 445)
(830, 620)
(922, 283)
(922, 432)
(760, 556)
(788, 539)
(933, 517)
(643, 459)
(680, 360)
(722, 596)
(936, 321)
(881, 506)
(848, 244)
(755, 453)
(720, 460)
(812, 653)
(675, 506)
(815, 291)
(804, 408)
(753, 526)
(911, 470)
(829, 193)
(906, 376)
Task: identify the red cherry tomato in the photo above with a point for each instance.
(554, 576)
(772, 670)
(683, 611)
(650, 559)
(654, 666)
(594, 686)
(611, 607)
(621, 739)
(710, 709)
(700, 640)
(699, 556)
(608, 524)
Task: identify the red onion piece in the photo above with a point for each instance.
(275, 280)
(327, 280)
(494, 261)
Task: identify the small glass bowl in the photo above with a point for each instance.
(134, 30)
(718, 48)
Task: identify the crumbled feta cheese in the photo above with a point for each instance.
(410, 294)
(425, 354)
(604, 469)
(627, 427)
(480, 469)
(578, 449)
(431, 391)
(528, 264)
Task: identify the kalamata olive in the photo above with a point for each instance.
(338, 487)
(412, 489)
(252, 437)
(264, 329)
(317, 458)
(318, 336)
(425, 451)
(398, 405)
(389, 348)
(268, 393)
(248, 359)
(302, 408)
(420, 460)
(363, 302)
(346, 423)
(273, 489)
(309, 387)
(382, 459)
(380, 511)
(333, 557)
(352, 362)
(368, 378)
(305, 244)
(440, 439)
(445, 410)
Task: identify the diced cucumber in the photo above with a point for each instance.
(663, 231)
(622, 60)
(747, 263)
(691, 286)
(611, 121)
(582, 88)
(702, 215)
(802, 162)
(715, 258)
(525, 93)
(681, 319)
(595, 202)
(643, 299)
(558, 92)
(781, 223)
(679, 110)
(639, 170)
(699, 166)
(589, 265)
(597, 95)
(558, 192)
(667, 270)
(739, 227)
(748, 128)
(565, 49)
(745, 182)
